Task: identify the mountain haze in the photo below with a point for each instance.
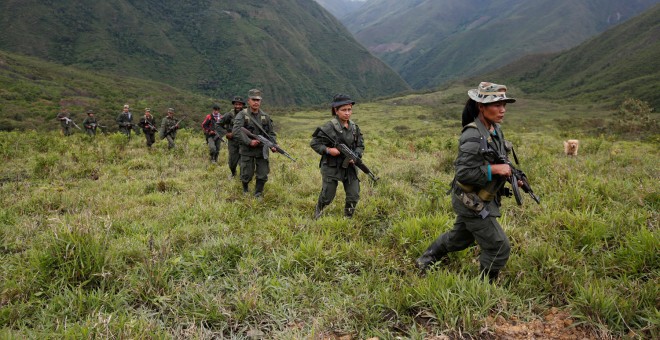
(623, 61)
(432, 41)
(340, 8)
(292, 49)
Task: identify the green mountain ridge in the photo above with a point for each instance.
(432, 42)
(294, 50)
(624, 61)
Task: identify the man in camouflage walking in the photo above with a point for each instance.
(233, 144)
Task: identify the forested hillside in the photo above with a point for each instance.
(293, 49)
(621, 62)
(430, 42)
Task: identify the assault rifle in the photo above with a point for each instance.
(93, 126)
(516, 175)
(150, 127)
(69, 120)
(349, 155)
(174, 127)
(268, 144)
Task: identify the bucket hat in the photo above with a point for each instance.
(488, 92)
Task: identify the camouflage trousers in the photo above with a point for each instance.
(251, 165)
(234, 155)
(488, 234)
(214, 147)
(170, 141)
(331, 178)
(150, 137)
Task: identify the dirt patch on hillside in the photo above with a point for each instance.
(555, 324)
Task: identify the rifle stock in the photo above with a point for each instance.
(267, 143)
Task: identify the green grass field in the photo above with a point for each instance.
(104, 238)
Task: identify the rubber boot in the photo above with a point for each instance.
(349, 210)
(259, 188)
(432, 255)
(492, 274)
(318, 210)
(246, 190)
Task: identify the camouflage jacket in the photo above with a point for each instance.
(90, 123)
(351, 136)
(168, 127)
(472, 169)
(148, 125)
(125, 120)
(251, 121)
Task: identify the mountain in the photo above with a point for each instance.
(430, 42)
(341, 8)
(294, 50)
(33, 91)
(621, 62)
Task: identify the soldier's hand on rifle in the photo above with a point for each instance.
(212, 133)
(501, 169)
(229, 135)
(333, 152)
(254, 143)
(273, 149)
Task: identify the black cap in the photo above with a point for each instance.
(238, 99)
(340, 100)
(216, 107)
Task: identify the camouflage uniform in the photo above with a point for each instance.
(476, 194)
(331, 167)
(168, 129)
(90, 123)
(65, 123)
(213, 131)
(253, 158)
(233, 144)
(125, 122)
(148, 125)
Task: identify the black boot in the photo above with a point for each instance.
(492, 274)
(432, 255)
(246, 190)
(318, 210)
(349, 210)
(259, 188)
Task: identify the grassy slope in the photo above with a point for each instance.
(103, 238)
(292, 49)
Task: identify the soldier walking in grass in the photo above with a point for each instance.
(148, 125)
(65, 122)
(253, 158)
(334, 168)
(125, 122)
(168, 128)
(90, 123)
(233, 144)
(214, 132)
(478, 185)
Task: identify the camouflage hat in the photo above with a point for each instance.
(170, 110)
(490, 93)
(341, 100)
(126, 106)
(254, 94)
(147, 110)
(238, 99)
(89, 112)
